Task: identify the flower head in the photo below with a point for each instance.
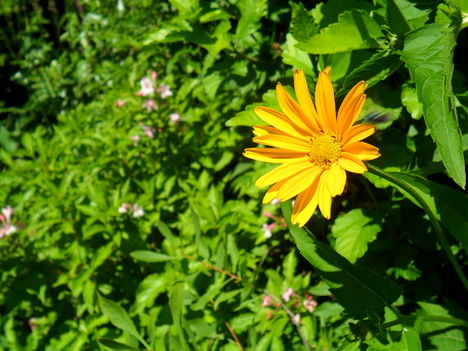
(150, 105)
(138, 211)
(147, 87)
(6, 228)
(164, 90)
(175, 117)
(287, 294)
(314, 145)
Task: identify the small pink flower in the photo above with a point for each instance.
(275, 201)
(164, 90)
(138, 211)
(120, 103)
(147, 87)
(267, 301)
(267, 229)
(175, 117)
(7, 228)
(154, 76)
(149, 131)
(296, 319)
(269, 215)
(150, 105)
(310, 304)
(124, 208)
(287, 295)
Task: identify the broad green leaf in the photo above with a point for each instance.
(449, 206)
(353, 231)
(410, 339)
(114, 345)
(147, 291)
(428, 54)
(303, 25)
(354, 30)
(151, 256)
(176, 304)
(118, 317)
(377, 68)
(440, 335)
(296, 57)
(359, 290)
(403, 16)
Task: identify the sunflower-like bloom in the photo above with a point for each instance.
(314, 145)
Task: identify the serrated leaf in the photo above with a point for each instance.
(353, 231)
(303, 25)
(428, 54)
(118, 316)
(359, 290)
(403, 16)
(375, 69)
(354, 30)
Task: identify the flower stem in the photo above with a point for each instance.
(435, 223)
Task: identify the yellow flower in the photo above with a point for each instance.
(315, 147)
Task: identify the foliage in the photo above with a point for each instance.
(136, 222)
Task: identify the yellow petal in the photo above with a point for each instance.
(273, 191)
(325, 101)
(348, 106)
(351, 163)
(324, 197)
(280, 121)
(305, 101)
(274, 155)
(362, 151)
(283, 142)
(357, 133)
(299, 182)
(263, 130)
(292, 109)
(336, 179)
(305, 205)
(281, 172)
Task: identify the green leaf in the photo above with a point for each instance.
(403, 16)
(296, 57)
(118, 317)
(353, 231)
(248, 117)
(251, 12)
(449, 206)
(409, 98)
(114, 345)
(354, 30)
(410, 339)
(176, 304)
(151, 256)
(375, 69)
(147, 291)
(359, 290)
(303, 25)
(428, 54)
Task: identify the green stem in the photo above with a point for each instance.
(435, 223)
(428, 318)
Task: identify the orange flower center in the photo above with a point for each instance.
(325, 149)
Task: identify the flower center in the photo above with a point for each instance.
(325, 149)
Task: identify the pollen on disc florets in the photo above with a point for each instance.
(325, 149)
